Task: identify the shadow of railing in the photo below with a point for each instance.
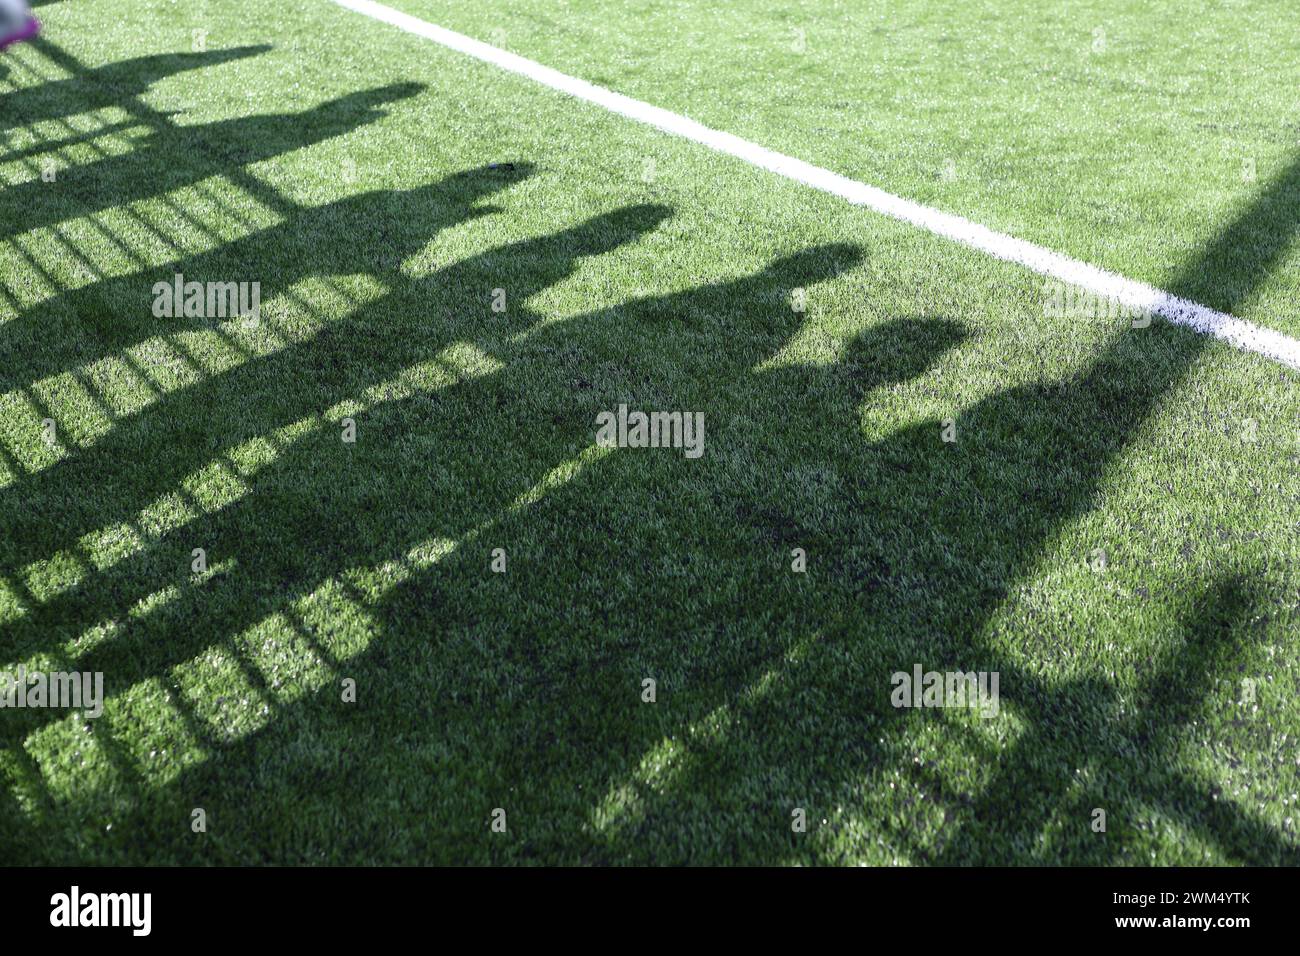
(478, 689)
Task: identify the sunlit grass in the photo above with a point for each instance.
(497, 585)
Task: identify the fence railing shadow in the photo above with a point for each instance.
(477, 690)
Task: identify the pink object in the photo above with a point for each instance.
(24, 32)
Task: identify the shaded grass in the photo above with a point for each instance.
(372, 562)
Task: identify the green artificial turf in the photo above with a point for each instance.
(1124, 135)
(381, 189)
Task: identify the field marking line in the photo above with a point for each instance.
(1128, 292)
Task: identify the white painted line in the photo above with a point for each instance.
(1128, 292)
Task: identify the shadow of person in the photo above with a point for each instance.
(303, 488)
(179, 156)
(315, 488)
(775, 685)
(941, 538)
(382, 228)
(110, 316)
(107, 85)
(524, 419)
(938, 543)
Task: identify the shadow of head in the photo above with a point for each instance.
(1217, 632)
(531, 265)
(902, 349)
(369, 103)
(147, 69)
(609, 230)
(888, 353)
(398, 220)
(814, 264)
(398, 208)
(462, 186)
